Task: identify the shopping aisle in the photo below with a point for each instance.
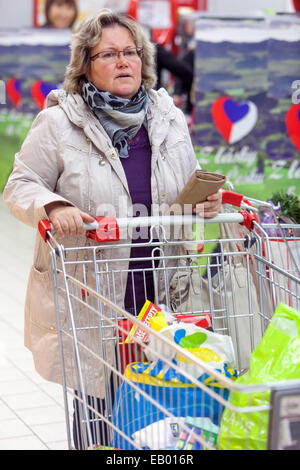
(31, 409)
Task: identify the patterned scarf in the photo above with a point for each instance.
(120, 117)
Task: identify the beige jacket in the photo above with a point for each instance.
(59, 160)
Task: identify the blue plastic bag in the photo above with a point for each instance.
(135, 409)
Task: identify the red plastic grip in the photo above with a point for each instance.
(230, 197)
(107, 230)
(44, 227)
(248, 219)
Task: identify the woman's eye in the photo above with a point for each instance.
(108, 55)
(130, 53)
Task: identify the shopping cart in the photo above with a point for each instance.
(280, 241)
(130, 385)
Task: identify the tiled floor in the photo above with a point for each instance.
(32, 413)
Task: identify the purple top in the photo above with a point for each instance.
(137, 168)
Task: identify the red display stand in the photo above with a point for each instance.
(161, 16)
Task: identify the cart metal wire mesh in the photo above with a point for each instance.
(154, 390)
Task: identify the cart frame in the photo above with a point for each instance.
(95, 303)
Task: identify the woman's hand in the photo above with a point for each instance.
(211, 207)
(67, 220)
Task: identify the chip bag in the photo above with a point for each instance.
(275, 359)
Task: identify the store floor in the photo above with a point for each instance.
(32, 413)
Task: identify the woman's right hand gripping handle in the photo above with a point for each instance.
(67, 220)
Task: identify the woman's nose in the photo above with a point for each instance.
(121, 58)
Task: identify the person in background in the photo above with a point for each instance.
(60, 13)
(105, 143)
(165, 60)
(180, 69)
(183, 89)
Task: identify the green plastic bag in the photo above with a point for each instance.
(275, 359)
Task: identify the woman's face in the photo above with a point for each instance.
(121, 77)
(61, 15)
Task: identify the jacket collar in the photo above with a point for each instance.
(161, 111)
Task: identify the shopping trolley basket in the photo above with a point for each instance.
(280, 241)
(162, 379)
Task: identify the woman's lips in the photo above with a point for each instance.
(123, 76)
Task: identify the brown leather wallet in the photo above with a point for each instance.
(201, 184)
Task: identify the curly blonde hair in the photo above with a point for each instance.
(87, 36)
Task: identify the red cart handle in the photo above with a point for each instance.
(249, 220)
(230, 197)
(44, 229)
(107, 229)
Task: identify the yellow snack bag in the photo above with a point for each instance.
(158, 322)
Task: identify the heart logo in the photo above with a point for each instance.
(39, 92)
(233, 120)
(13, 90)
(292, 122)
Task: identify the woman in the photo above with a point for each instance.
(60, 13)
(106, 142)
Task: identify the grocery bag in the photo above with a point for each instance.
(151, 391)
(213, 349)
(276, 359)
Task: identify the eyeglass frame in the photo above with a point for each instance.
(139, 51)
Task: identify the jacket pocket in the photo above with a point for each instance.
(40, 295)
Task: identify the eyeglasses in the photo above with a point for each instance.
(132, 54)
